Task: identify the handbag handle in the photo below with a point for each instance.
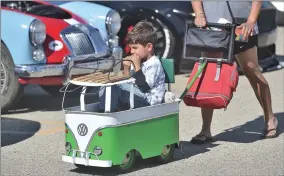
(230, 26)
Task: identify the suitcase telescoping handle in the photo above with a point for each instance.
(210, 24)
(202, 66)
(232, 28)
(228, 26)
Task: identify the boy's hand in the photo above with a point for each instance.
(137, 61)
(127, 63)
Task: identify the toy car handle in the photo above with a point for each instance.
(84, 90)
(119, 61)
(66, 86)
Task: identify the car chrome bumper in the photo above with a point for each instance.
(37, 71)
(267, 38)
(86, 162)
(40, 70)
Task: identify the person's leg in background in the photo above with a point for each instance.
(207, 114)
(114, 101)
(248, 61)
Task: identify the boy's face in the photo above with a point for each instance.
(140, 50)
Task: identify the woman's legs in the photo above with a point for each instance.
(248, 61)
(206, 114)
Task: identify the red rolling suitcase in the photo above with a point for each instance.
(213, 80)
(214, 87)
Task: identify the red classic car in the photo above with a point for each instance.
(41, 41)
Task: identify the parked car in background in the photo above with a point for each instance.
(169, 19)
(267, 25)
(39, 41)
(280, 12)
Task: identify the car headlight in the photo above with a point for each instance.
(68, 147)
(113, 22)
(37, 32)
(97, 150)
(38, 54)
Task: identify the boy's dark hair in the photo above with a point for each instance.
(142, 33)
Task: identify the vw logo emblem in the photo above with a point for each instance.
(82, 129)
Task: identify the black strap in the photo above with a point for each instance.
(231, 13)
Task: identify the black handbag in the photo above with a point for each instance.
(206, 40)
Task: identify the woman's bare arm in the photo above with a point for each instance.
(247, 28)
(255, 9)
(197, 8)
(200, 19)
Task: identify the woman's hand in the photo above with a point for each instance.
(200, 21)
(247, 29)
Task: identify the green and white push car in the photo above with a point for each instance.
(111, 139)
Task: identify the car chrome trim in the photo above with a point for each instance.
(40, 70)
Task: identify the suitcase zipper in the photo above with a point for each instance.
(224, 96)
(221, 95)
(211, 94)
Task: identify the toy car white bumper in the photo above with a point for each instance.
(86, 161)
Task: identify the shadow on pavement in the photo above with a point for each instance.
(16, 130)
(188, 150)
(248, 132)
(41, 101)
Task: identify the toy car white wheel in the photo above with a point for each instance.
(10, 89)
(166, 155)
(128, 161)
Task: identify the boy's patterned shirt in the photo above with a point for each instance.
(155, 77)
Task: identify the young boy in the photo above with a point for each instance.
(149, 88)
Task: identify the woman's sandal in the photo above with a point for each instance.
(201, 139)
(265, 132)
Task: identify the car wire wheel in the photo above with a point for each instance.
(4, 78)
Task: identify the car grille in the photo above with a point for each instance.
(84, 40)
(80, 43)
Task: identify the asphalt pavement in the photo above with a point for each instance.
(32, 137)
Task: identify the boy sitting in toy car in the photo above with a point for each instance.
(149, 88)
